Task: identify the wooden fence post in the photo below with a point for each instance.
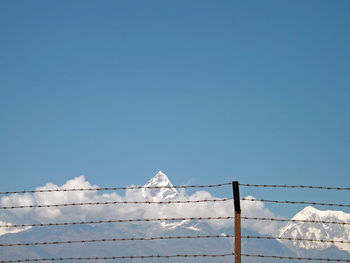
(237, 208)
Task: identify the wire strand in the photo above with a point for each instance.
(297, 239)
(293, 202)
(297, 258)
(117, 202)
(114, 240)
(296, 186)
(168, 238)
(117, 221)
(175, 186)
(119, 257)
(114, 188)
(293, 220)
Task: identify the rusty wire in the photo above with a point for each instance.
(117, 221)
(168, 238)
(293, 220)
(297, 239)
(293, 202)
(114, 240)
(175, 186)
(296, 186)
(297, 258)
(118, 257)
(117, 202)
(114, 188)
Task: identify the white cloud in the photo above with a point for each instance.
(258, 209)
(122, 211)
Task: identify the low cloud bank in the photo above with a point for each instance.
(123, 211)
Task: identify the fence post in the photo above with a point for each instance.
(237, 207)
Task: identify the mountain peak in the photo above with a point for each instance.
(160, 180)
(306, 213)
(312, 213)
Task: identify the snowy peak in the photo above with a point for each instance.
(159, 180)
(311, 213)
(324, 231)
(306, 212)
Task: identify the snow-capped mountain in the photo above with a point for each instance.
(163, 194)
(318, 231)
(159, 180)
(128, 230)
(170, 228)
(124, 230)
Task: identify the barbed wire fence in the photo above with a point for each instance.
(282, 220)
(236, 253)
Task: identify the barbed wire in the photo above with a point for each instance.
(293, 220)
(174, 186)
(172, 256)
(296, 186)
(114, 188)
(293, 202)
(297, 258)
(171, 202)
(296, 220)
(168, 238)
(115, 240)
(169, 219)
(297, 239)
(118, 202)
(118, 221)
(118, 257)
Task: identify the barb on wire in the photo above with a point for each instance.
(296, 186)
(297, 239)
(114, 240)
(294, 202)
(117, 221)
(118, 202)
(293, 220)
(119, 257)
(113, 188)
(297, 258)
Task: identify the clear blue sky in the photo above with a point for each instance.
(206, 91)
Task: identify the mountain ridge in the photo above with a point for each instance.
(317, 231)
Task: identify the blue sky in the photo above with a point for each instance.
(206, 91)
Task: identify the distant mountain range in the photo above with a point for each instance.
(182, 246)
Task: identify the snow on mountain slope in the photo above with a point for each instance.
(7, 230)
(167, 193)
(159, 180)
(318, 231)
